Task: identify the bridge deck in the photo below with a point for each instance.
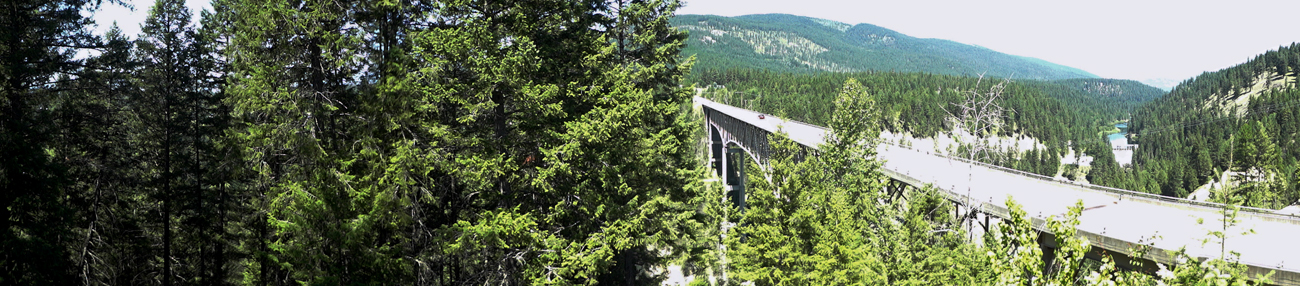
(1114, 219)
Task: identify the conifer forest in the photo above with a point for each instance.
(542, 142)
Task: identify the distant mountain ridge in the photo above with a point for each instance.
(790, 43)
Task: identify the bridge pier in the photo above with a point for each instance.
(895, 189)
(715, 151)
(735, 179)
(1047, 243)
(729, 163)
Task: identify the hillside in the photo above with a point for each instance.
(788, 43)
(1242, 119)
(1120, 95)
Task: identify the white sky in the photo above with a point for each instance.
(1128, 39)
(130, 20)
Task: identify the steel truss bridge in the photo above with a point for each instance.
(1114, 220)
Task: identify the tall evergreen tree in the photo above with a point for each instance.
(392, 146)
(39, 39)
(162, 48)
(1246, 149)
(810, 223)
(547, 145)
(99, 144)
(293, 63)
(180, 121)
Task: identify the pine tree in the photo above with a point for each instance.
(1246, 149)
(293, 97)
(40, 40)
(558, 143)
(497, 142)
(1203, 164)
(231, 211)
(165, 51)
(96, 140)
(180, 121)
(809, 224)
(1267, 155)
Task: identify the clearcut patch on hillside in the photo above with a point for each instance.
(785, 45)
(1226, 103)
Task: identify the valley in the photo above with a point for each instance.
(1050, 119)
(1221, 143)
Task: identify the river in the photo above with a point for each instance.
(1118, 138)
(1123, 157)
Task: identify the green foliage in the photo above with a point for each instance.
(795, 44)
(1202, 128)
(42, 207)
(1017, 259)
(473, 142)
(804, 224)
(351, 142)
(826, 219)
(502, 146)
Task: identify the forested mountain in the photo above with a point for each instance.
(789, 43)
(1242, 119)
(1056, 113)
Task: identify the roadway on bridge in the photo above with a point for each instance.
(1108, 214)
(1274, 245)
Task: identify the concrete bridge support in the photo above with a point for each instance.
(716, 156)
(729, 163)
(735, 165)
(895, 189)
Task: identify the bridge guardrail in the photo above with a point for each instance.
(1259, 213)
(1207, 206)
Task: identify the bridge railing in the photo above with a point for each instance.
(1252, 212)
(748, 137)
(1260, 213)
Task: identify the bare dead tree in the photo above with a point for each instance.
(978, 116)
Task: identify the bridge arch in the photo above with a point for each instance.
(731, 132)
